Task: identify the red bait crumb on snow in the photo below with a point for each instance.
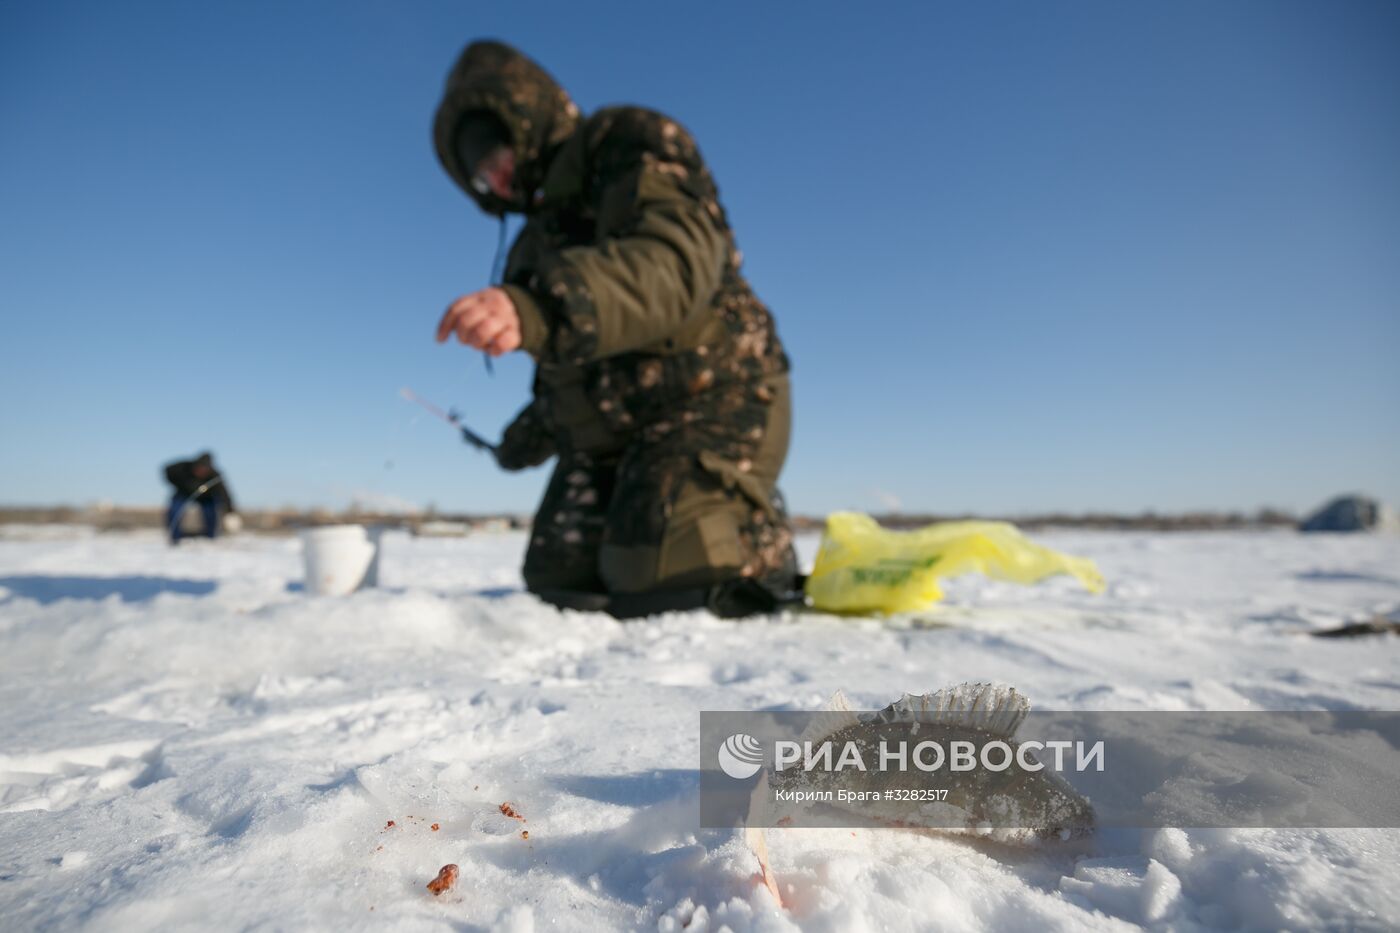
(508, 809)
(446, 878)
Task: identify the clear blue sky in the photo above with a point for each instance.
(1025, 256)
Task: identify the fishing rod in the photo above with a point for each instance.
(452, 418)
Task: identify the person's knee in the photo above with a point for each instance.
(700, 546)
(564, 537)
(559, 566)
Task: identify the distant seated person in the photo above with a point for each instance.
(197, 482)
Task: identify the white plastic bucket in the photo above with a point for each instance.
(339, 559)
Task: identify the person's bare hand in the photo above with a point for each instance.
(486, 320)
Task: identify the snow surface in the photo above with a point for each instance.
(189, 741)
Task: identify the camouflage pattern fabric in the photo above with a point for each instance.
(527, 442)
(661, 382)
(493, 76)
(567, 534)
(691, 501)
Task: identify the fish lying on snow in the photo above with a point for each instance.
(1015, 805)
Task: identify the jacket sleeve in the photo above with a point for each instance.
(658, 262)
(527, 442)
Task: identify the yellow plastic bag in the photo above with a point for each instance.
(864, 568)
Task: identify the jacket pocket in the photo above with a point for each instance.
(731, 479)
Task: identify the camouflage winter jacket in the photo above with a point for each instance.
(626, 275)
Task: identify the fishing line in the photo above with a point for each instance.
(496, 278)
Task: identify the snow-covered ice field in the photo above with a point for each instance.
(188, 741)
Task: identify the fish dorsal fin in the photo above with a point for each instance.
(834, 716)
(993, 708)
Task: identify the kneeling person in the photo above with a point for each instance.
(199, 482)
(660, 382)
